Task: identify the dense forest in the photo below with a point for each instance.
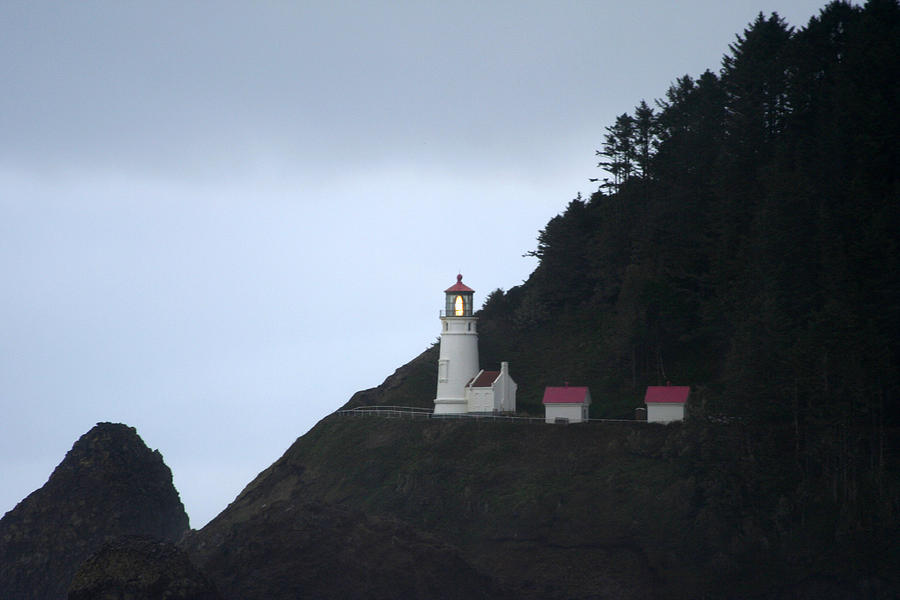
(745, 243)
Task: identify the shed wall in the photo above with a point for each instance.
(572, 412)
(665, 413)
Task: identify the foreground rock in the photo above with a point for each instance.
(109, 484)
(286, 550)
(140, 568)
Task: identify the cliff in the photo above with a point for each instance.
(604, 510)
(285, 546)
(140, 568)
(109, 484)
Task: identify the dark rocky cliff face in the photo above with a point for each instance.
(533, 511)
(140, 568)
(369, 507)
(287, 548)
(109, 484)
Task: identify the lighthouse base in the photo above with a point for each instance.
(450, 406)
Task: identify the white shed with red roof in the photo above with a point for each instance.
(665, 403)
(568, 404)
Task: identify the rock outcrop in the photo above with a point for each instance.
(140, 568)
(287, 549)
(109, 484)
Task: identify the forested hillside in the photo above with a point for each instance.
(745, 243)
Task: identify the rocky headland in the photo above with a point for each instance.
(109, 484)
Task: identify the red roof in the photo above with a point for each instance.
(459, 286)
(566, 395)
(485, 379)
(671, 394)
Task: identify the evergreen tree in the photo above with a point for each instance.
(754, 76)
(645, 137)
(619, 151)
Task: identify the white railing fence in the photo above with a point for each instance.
(412, 412)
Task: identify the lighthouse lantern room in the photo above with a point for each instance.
(458, 359)
(459, 299)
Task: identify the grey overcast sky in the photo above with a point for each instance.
(220, 219)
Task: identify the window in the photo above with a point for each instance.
(442, 370)
(459, 306)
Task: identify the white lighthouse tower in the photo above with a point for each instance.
(458, 361)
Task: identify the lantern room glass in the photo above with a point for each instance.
(458, 305)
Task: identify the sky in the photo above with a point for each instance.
(218, 220)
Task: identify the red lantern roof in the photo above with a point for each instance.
(459, 286)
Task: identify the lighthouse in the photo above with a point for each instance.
(458, 360)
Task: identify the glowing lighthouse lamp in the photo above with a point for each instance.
(458, 360)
